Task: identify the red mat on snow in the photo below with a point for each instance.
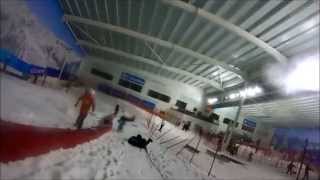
(19, 141)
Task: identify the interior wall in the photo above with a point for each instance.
(176, 90)
(230, 112)
(263, 132)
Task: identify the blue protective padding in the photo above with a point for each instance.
(52, 72)
(36, 70)
(148, 104)
(13, 61)
(18, 64)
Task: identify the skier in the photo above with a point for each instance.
(250, 156)
(306, 172)
(121, 123)
(161, 125)
(87, 102)
(258, 142)
(290, 168)
(116, 109)
(186, 125)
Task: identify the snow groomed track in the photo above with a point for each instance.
(19, 141)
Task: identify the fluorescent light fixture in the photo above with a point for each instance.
(309, 24)
(212, 100)
(248, 92)
(304, 77)
(233, 96)
(215, 73)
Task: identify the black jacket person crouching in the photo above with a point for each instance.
(139, 142)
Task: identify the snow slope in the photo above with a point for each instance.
(110, 156)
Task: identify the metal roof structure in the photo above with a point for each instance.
(210, 44)
(297, 111)
(219, 40)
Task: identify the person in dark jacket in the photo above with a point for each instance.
(116, 109)
(139, 142)
(161, 125)
(290, 168)
(306, 172)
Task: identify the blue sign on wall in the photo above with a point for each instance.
(132, 78)
(249, 122)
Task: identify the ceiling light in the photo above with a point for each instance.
(233, 95)
(215, 73)
(308, 24)
(235, 55)
(305, 76)
(248, 92)
(212, 100)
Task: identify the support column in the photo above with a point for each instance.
(230, 129)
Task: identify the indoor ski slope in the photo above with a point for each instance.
(109, 156)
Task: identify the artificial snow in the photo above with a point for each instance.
(110, 156)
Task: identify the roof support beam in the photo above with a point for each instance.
(150, 62)
(154, 40)
(229, 26)
(132, 69)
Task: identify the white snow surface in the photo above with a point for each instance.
(109, 156)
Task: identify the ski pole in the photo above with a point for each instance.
(164, 134)
(200, 135)
(185, 145)
(177, 143)
(152, 131)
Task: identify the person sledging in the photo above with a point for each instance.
(87, 102)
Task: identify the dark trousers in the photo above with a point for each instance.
(161, 126)
(305, 177)
(80, 120)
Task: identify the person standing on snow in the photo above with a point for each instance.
(290, 168)
(161, 125)
(116, 109)
(306, 172)
(87, 102)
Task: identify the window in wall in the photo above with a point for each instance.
(130, 85)
(131, 82)
(227, 121)
(159, 96)
(181, 105)
(101, 74)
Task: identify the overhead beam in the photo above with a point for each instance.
(150, 62)
(229, 26)
(154, 40)
(134, 70)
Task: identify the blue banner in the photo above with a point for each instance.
(52, 72)
(132, 78)
(249, 123)
(37, 70)
(18, 64)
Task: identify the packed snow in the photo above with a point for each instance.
(110, 156)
